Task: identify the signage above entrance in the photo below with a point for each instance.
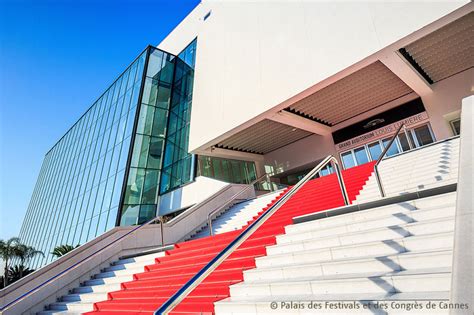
(383, 132)
(377, 121)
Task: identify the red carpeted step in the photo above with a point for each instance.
(162, 279)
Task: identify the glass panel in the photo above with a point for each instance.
(164, 94)
(150, 91)
(361, 156)
(134, 186)
(155, 63)
(404, 142)
(375, 150)
(150, 187)
(156, 149)
(326, 170)
(147, 212)
(456, 125)
(231, 171)
(167, 71)
(129, 215)
(423, 135)
(145, 122)
(140, 151)
(159, 122)
(348, 160)
(393, 148)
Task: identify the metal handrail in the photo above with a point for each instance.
(159, 219)
(176, 298)
(231, 199)
(384, 152)
(39, 286)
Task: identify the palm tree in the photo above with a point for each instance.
(26, 253)
(17, 272)
(62, 250)
(8, 250)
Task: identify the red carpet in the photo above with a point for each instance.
(150, 289)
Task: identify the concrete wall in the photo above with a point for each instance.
(252, 56)
(444, 103)
(190, 194)
(310, 149)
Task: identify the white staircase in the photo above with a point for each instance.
(427, 167)
(82, 299)
(399, 252)
(238, 215)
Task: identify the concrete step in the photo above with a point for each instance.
(119, 273)
(439, 225)
(430, 159)
(316, 265)
(430, 164)
(85, 297)
(51, 312)
(307, 252)
(238, 215)
(372, 192)
(112, 280)
(129, 266)
(411, 207)
(97, 288)
(438, 279)
(419, 169)
(401, 184)
(426, 152)
(147, 259)
(72, 306)
(391, 222)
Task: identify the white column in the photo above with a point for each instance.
(462, 275)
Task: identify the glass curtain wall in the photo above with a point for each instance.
(77, 195)
(231, 171)
(141, 192)
(178, 163)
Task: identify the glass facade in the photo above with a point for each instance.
(231, 171)
(107, 169)
(77, 195)
(141, 192)
(178, 164)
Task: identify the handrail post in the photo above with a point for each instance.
(272, 189)
(162, 232)
(210, 225)
(341, 181)
(379, 181)
(382, 155)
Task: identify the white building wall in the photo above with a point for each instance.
(252, 56)
(444, 104)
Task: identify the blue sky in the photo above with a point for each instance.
(56, 58)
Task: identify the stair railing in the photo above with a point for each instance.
(156, 220)
(384, 152)
(181, 294)
(211, 215)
